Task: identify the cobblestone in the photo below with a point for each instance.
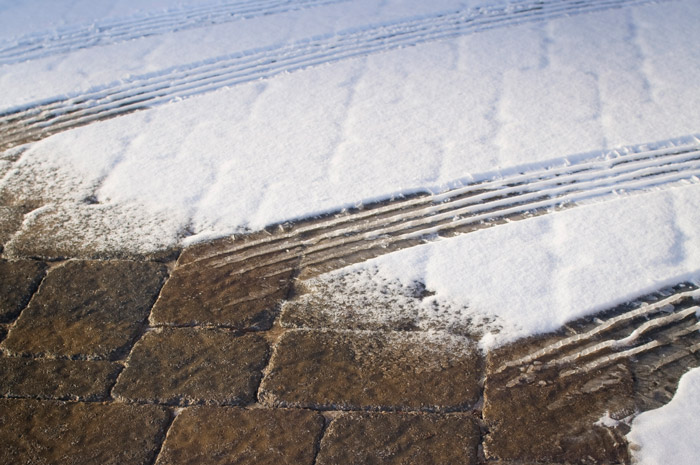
(376, 371)
(400, 439)
(554, 418)
(49, 432)
(218, 436)
(87, 309)
(201, 295)
(193, 366)
(57, 379)
(18, 281)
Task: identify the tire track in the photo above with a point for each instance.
(668, 319)
(410, 221)
(107, 32)
(42, 119)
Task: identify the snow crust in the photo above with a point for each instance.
(670, 434)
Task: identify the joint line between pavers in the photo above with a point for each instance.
(34, 292)
(173, 414)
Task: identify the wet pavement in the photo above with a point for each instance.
(224, 355)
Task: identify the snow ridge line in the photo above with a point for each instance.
(647, 326)
(456, 211)
(42, 119)
(111, 31)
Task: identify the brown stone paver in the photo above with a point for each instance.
(18, 281)
(85, 231)
(545, 417)
(379, 371)
(87, 309)
(219, 436)
(187, 366)
(50, 432)
(400, 439)
(57, 379)
(10, 221)
(208, 295)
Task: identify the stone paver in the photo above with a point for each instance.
(90, 232)
(553, 418)
(87, 309)
(50, 432)
(56, 379)
(10, 222)
(219, 436)
(362, 370)
(209, 295)
(18, 281)
(400, 439)
(193, 366)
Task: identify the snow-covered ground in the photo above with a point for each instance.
(269, 110)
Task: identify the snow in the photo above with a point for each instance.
(532, 276)
(669, 434)
(328, 104)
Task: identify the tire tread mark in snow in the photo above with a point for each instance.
(313, 246)
(111, 31)
(41, 119)
(463, 209)
(667, 320)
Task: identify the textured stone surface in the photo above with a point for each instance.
(219, 436)
(10, 221)
(193, 366)
(363, 370)
(91, 232)
(49, 432)
(87, 309)
(204, 294)
(18, 281)
(553, 419)
(56, 379)
(400, 439)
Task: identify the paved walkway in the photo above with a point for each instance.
(221, 357)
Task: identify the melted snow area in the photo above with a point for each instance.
(233, 115)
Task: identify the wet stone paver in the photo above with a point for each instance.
(233, 357)
(50, 432)
(219, 436)
(187, 366)
(400, 439)
(557, 420)
(57, 379)
(18, 281)
(374, 371)
(221, 296)
(87, 309)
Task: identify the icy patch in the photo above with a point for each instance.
(669, 434)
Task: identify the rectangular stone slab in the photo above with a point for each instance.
(186, 366)
(57, 379)
(373, 371)
(400, 438)
(18, 281)
(225, 435)
(87, 309)
(204, 294)
(63, 433)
